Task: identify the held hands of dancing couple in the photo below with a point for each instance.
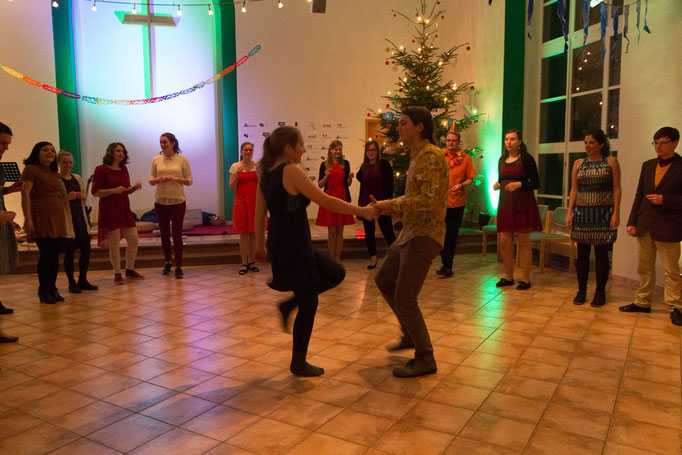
(295, 182)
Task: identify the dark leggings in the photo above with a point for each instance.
(386, 226)
(81, 243)
(453, 220)
(165, 215)
(331, 273)
(48, 262)
(601, 253)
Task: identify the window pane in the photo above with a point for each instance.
(553, 76)
(595, 14)
(612, 122)
(614, 64)
(550, 201)
(588, 68)
(551, 172)
(586, 115)
(551, 26)
(552, 121)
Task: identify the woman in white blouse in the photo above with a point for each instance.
(170, 173)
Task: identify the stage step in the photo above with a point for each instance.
(226, 251)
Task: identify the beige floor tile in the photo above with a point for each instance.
(321, 444)
(652, 373)
(25, 392)
(269, 437)
(459, 395)
(177, 442)
(148, 369)
(596, 380)
(221, 422)
(105, 385)
(383, 404)
(645, 436)
(527, 387)
(538, 370)
(178, 409)
(228, 449)
(84, 446)
(650, 411)
(547, 441)
(218, 389)
(129, 433)
(337, 393)
(363, 375)
(356, 427)
(438, 416)
(498, 431)
(617, 449)
(37, 440)
(475, 377)
(56, 404)
(140, 397)
(304, 413)
(91, 418)
(253, 372)
(584, 398)
(464, 446)
(258, 400)
(513, 407)
(404, 439)
(577, 421)
(13, 421)
(651, 390)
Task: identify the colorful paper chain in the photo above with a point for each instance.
(157, 99)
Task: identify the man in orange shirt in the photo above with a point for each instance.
(461, 174)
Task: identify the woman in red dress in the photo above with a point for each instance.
(111, 183)
(518, 210)
(335, 178)
(244, 180)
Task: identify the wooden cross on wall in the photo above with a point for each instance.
(149, 21)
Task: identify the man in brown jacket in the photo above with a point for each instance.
(656, 221)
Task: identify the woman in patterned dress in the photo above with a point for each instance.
(593, 212)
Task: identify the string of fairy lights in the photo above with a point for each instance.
(178, 5)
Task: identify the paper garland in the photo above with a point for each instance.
(135, 102)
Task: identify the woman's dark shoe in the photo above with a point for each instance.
(634, 308)
(285, 309)
(74, 288)
(580, 297)
(598, 300)
(504, 282)
(405, 343)
(167, 268)
(416, 367)
(57, 297)
(243, 269)
(85, 285)
(179, 273)
(133, 274)
(445, 272)
(46, 296)
(372, 265)
(253, 267)
(5, 310)
(8, 339)
(300, 367)
(676, 317)
(523, 285)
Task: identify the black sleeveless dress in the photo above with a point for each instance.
(294, 262)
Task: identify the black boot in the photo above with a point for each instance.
(580, 297)
(85, 285)
(599, 299)
(46, 296)
(300, 367)
(5, 310)
(56, 296)
(74, 288)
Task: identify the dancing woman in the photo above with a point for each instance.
(285, 191)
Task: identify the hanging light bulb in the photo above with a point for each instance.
(210, 10)
(404, 79)
(55, 4)
(179, 13)
(134, 11)
(244, 7)
(94, 5)
(280, 4)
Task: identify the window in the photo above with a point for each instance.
(577, 91)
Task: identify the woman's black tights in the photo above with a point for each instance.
(601, 253)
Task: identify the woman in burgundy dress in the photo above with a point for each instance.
(518, 210)
(376, 179)
(244, 181)
(335, 178)
(111, 183)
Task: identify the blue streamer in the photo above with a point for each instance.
(586, 20)
(615, 27)
(604, 20)
(646, 11)
(626, 19)
(531, 7)
(639, 10)
(561, 12)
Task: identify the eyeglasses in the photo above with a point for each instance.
(657, 143)
(451, 140)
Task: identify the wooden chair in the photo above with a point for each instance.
(490, 229)
(556, 231)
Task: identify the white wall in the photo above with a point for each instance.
(651, 80)
(31, 112)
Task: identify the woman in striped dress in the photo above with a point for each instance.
(593, 212)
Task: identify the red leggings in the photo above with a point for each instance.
(165, 214)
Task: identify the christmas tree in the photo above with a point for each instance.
(422, 84)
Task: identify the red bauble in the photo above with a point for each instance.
(437, 3)
(435, 36)
(395, 15)
(423, 80)
(388, 105)
(471, 87)
(387, 62)
(448, 87)
(446, 110)
(468, 48)
(471, 189)
(369, 115)
(470, 122)
(393, 61)
(413, 41)
(442, 17)
(476, 121)
(480, 157)
(400, 90)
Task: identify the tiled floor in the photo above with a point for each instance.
(200, 366)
